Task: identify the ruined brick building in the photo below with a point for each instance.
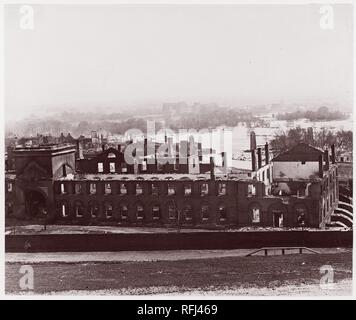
(296, 188)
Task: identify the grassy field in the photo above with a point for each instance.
(214, 274)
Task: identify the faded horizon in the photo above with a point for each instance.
(146, 55)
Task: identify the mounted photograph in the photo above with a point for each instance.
(169, 150)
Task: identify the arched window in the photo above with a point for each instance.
(63, 209)
(171, 189)
(222, 212)
(255, 213)
(108, 189)
(92, 188)
(156, 212)
(140, 213)
(78, 188)
(278, 212)
(204, 189)
(93, 209)
(79, 209)
(108, 210)
(172, 211)
(188, 212)
(301, 214)
(124, 211)
(187, 189)
(154, 189)
(139, 188)
(222, 189)
(205, 212)
(123, 188)
(63, 188)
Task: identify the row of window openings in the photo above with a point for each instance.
(156, 212)
(171, 190)
(112, 167)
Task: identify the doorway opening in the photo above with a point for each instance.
(277, 219)
(35, 204)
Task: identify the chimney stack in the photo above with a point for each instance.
(212, 168)
(253, 158)
(177, 154)
(145, 147)
(333, 156)
(327, 159)
(267, 153)
(80, 149)
(200, 151)
(224, 162)
(320, 166)
(253, 140)
(259, 158)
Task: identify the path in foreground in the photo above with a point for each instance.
(283, 275)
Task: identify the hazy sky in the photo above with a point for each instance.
(95, 55)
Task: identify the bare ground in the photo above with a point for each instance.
(275, 275)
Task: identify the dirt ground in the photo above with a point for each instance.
(275, 275)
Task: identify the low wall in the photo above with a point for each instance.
(175, 241)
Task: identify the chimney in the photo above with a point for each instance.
(200, 151)
(224, 161)
(320, 166)
(170, 147)
(327, 159)
(259, 158)
(267, 153)
(253, 158)
(333, 157)
(212, 168)
(145, 147)
(177, 155)
(80, 149)
(183, 150)
(253, 140)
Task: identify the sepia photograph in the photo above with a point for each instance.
(176, 150)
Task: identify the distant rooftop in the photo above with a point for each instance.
(301, 152)
(44, 148)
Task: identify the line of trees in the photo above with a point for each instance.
(321, 139)
(322, 114)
